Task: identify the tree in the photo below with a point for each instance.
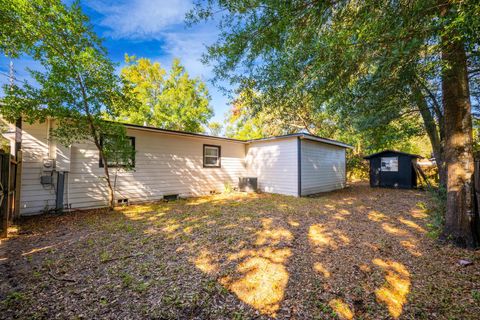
(341, 53)
(215, 128)
(78, 85)
(458, 130)
(253, 116)
(4, 143)
(170, 101)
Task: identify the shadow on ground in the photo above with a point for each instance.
(355, 253)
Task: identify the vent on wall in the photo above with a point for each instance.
(170, 197)
(123, 201)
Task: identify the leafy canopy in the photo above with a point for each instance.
(171, 101)
(77, 86)
(358, 61)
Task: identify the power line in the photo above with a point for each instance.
(11, 73)
(9, 77)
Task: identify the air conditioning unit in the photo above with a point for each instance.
(48, 164)
(247, 184)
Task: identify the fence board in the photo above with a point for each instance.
(4, 193)
(9, 183)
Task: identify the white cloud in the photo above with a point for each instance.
(163, 20)
(189, 47)
(140, 19)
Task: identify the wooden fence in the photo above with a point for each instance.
(9, 191)
(476, 198)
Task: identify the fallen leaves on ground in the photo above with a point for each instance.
(355, 253)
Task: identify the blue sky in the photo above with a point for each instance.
(153, 29)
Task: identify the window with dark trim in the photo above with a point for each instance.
(117, 159)
(211, 156)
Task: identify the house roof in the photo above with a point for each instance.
(180, 133)
(392, 151)
(306, 136)
(200, 135)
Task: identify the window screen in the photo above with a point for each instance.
(389, 164)
(116, 159)
(211, 156)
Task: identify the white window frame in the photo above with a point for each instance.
(217, 157)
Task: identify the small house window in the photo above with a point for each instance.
(211, 156)
(117, 159)
(389, 164)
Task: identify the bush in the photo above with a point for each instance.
(357, 167)
(436, 210)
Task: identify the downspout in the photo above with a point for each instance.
(19, 167)
(67, 177)
(18, 136)
(299, 166)
(49, 141)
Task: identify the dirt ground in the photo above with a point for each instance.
(355, 253)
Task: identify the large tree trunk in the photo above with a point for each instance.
(458, 144)
(433, 132)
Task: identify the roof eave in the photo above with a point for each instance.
(179, 133)
(304, 136)
(327, 141)
(393, 151)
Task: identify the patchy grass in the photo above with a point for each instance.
(356, 253)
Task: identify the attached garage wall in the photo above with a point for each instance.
(323, 167)
(275, 164)
(164, 164)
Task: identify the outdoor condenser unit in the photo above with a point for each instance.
(247, 184)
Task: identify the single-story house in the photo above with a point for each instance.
(174, 163)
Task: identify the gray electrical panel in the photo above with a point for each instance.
(46, 180)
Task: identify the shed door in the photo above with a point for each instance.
(375, 172)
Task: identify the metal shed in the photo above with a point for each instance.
(393, 169)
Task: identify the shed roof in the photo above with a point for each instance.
(392, 151)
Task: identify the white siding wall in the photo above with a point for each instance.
(274, 163)
(164, 164)
(34, 197)
(323, 167)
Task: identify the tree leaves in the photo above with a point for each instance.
(170, 101)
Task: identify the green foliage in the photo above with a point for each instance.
(249, 119)
(4, 143)
(215, 128)
(476, 295)
(357, 167)
(436, 210)
(372, 68)
(476, 136)
(242, 120)
(253, 116)
(14, 298)
(170, 101)
(77, 86)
